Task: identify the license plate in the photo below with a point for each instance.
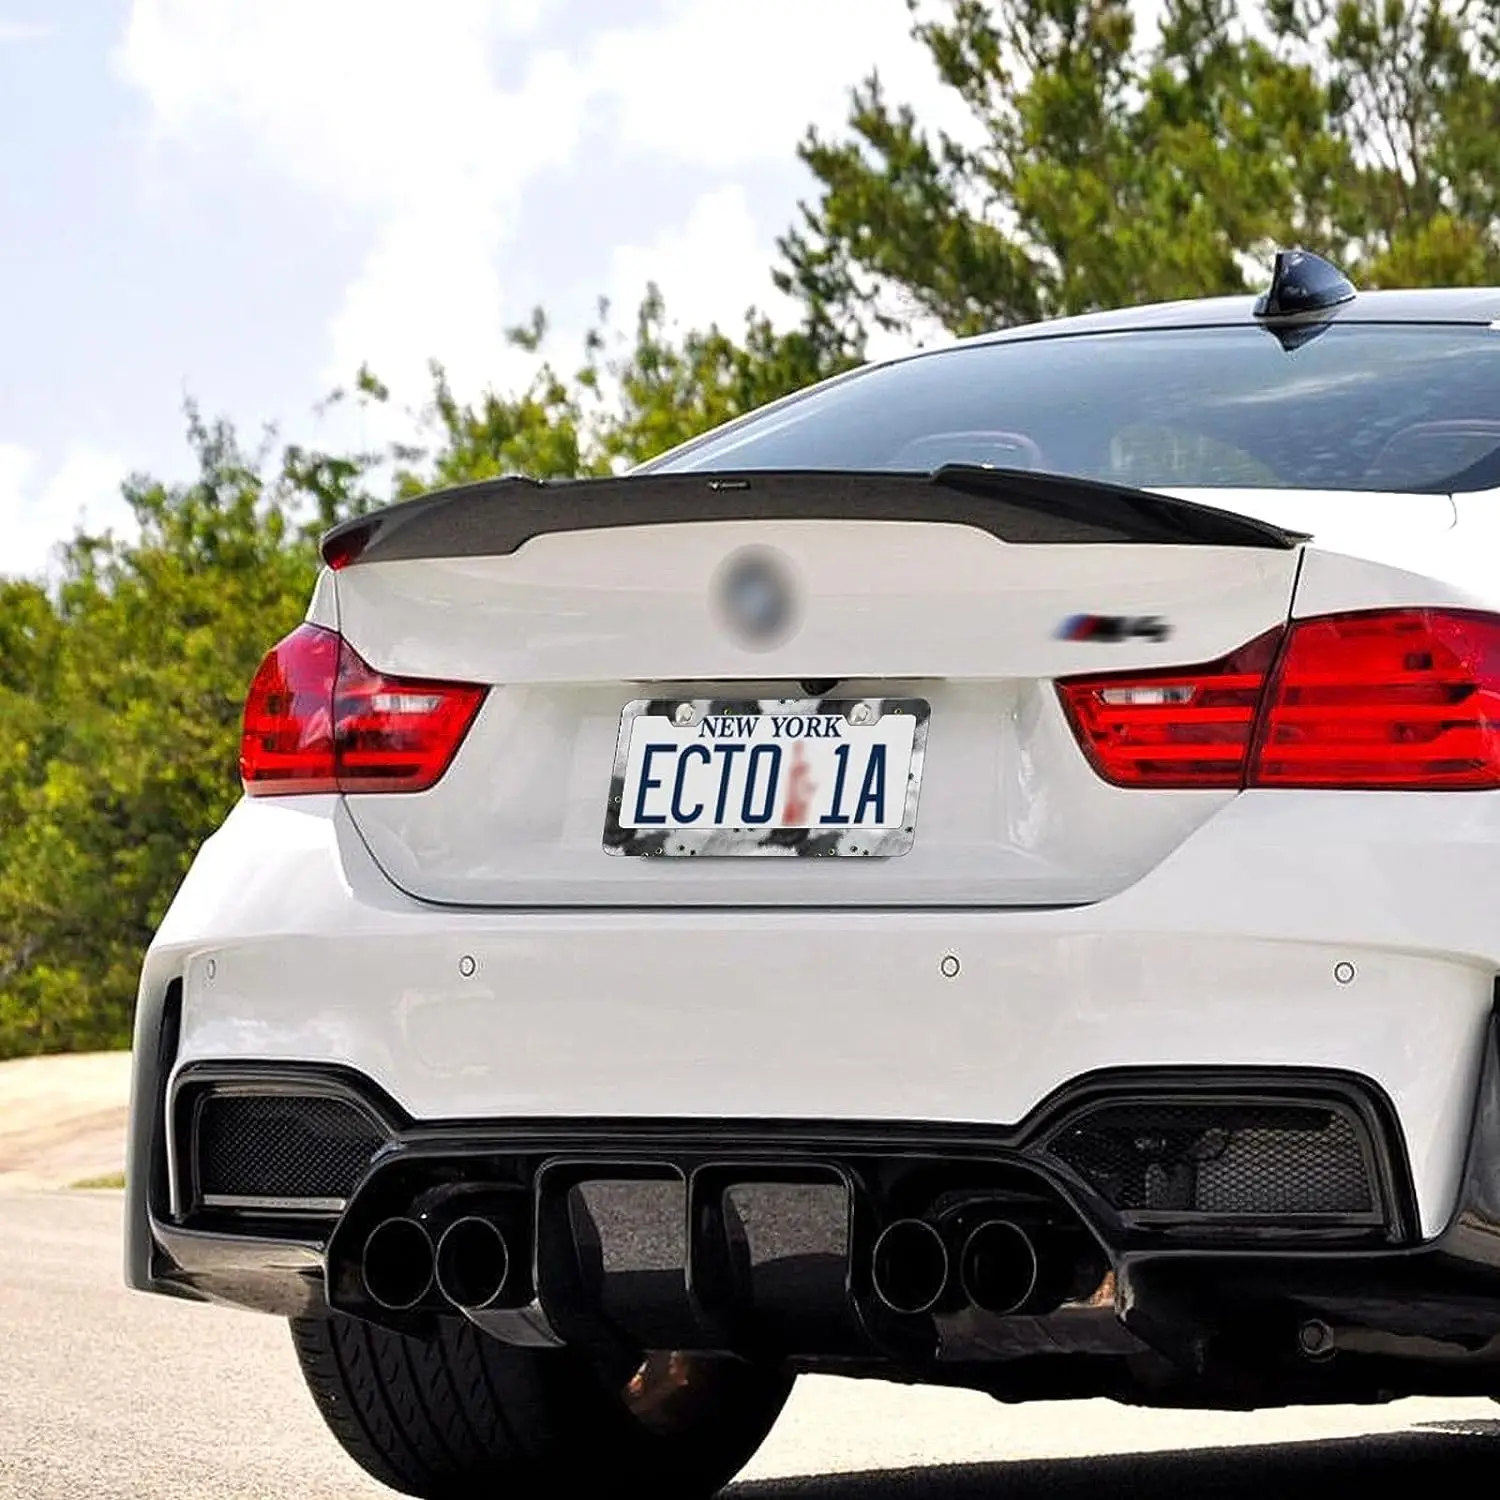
(821, 777)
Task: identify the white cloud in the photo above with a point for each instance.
(431, 284)
(398, 113)
(371, 101)
(715, 254)
(750, 109)
(24, 31)
(37, 514)
(727, 83)
(391, 110)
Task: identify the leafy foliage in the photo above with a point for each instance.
(1105, 168)
(670, 390)
(131, 680)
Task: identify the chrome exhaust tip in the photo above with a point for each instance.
(397, 1264)
(998, 1267)
(472, 1264)
(910, 1266)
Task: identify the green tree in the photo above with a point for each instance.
(30, 636)
(669, 387)
(126, 685)
(1413, 88)
(542, 431)
(1104, 168)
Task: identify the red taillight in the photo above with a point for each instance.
(287, 741)
(1395, 698)
(1181, 727)
(320, 719)
(1382, 699)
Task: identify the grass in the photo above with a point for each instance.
(113, 1180)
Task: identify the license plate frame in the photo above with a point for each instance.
(817, 843)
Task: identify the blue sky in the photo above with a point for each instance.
(243, 201)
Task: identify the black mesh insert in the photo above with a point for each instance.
(276, 1146)
(1279, 1160)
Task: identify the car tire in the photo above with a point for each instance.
(463, 1414)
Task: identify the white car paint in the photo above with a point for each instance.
(293, 946)
(573, 626)
(1431, 549)
(474, 952)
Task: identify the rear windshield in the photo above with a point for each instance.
(1357, 407)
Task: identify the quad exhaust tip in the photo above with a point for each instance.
(472, 1263)
(910, 1270)
(998, 1268)
(397, 1265)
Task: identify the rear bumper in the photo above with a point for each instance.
(1348, 933)
(1165, 1314)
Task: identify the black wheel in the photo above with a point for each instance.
(464, 1415)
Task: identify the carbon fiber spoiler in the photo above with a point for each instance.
(495, 517)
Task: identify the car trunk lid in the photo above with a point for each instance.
(959, 601)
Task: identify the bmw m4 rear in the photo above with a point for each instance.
(979, 873)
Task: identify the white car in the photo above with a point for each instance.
(982, 872)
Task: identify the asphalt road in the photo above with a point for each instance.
(104, 1393)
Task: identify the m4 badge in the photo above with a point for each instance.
(1114, 628)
